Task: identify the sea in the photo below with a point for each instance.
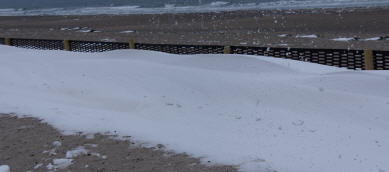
(120, 7)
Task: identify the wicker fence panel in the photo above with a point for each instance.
(89, 46)
(351, 59)
(38, 44)
(182, 49)
(2, 41)
(381, 60)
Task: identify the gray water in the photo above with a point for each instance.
(37, 4)
(87, 7)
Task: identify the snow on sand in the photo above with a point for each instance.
(257, 112)
(4, 168)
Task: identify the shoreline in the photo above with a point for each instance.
(313, 28)
(138, 10)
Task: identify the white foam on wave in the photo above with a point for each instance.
(219, 3)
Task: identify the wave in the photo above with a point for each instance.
(215, 6)
(218, 3)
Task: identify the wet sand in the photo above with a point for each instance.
(266, 28)
(28, 144)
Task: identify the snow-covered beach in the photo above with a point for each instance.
(256, 113)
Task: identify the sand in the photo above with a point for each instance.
(314, 28)
(26, 143)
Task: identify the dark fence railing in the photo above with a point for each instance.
(89, 46)
(351, 59)
(38, 44)
(2, 41)
(381, 60)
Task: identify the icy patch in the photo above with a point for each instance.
(374, 39)
(283, 35)
(38, 165)
(91, 145)
(127, 31)
(50, 152)
(80, 150)
(4, 168)
(307, 36)
(65, 28)
(57, 144)
(99, 155)
(90, 136)
(86, 30)
(108, 40)
(343, 39)
(59, 164)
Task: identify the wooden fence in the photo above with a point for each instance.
(351, 59)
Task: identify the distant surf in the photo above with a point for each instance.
(177, 7)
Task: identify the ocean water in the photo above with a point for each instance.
(90, 7)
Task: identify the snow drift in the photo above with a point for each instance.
(257, 112)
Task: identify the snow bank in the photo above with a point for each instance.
(257, 112)
(4, 168)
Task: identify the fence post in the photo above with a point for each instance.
(66, 44)
(7, 41)
(369, 59)
(131, 43)
(227, 50)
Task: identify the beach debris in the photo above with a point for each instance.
(307, 36)
(127, 31)
(346, 39)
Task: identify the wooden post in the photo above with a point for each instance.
(369, 59)
(131, 43)
(66, 44)
(7, 41)
(227, 50)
